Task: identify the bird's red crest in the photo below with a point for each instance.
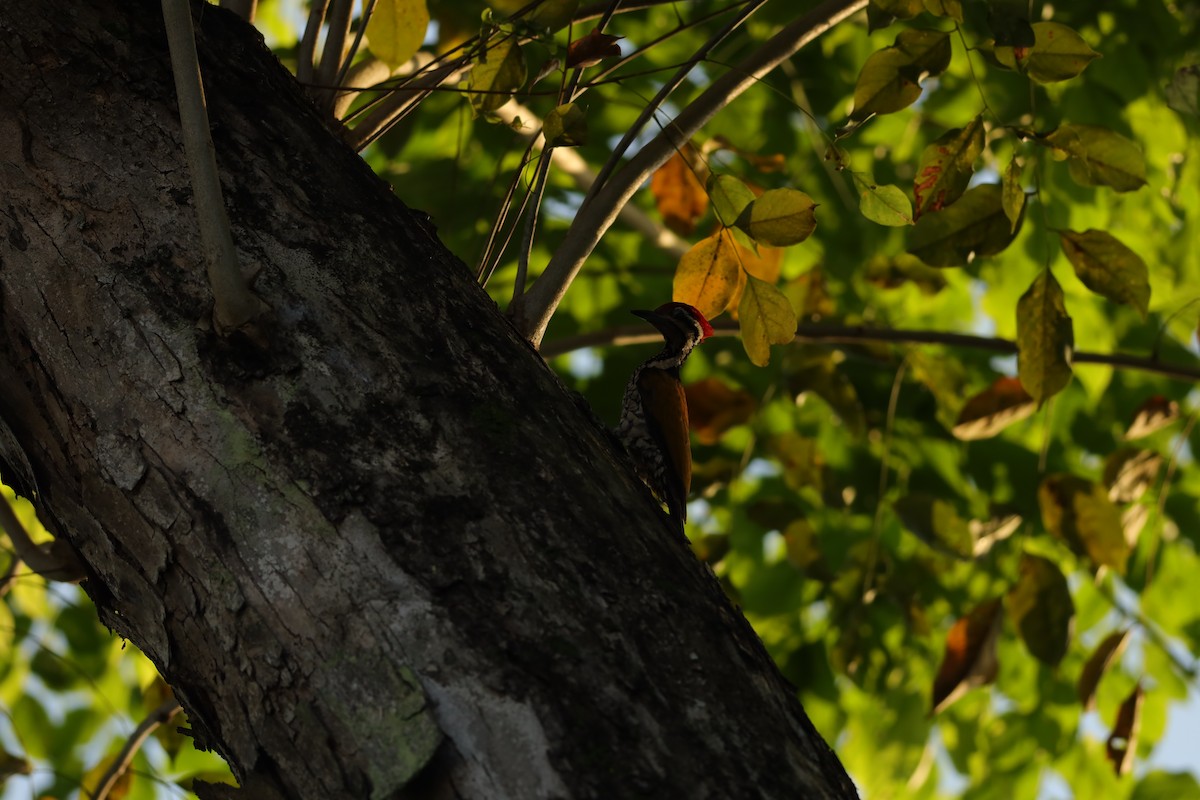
(667, 309)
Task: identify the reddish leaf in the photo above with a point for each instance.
(679, 194)
(946, 167)
(1156, 413)
(714, 407)
(590, 50)
(1097, 664)
(994, 409)
(1122, 742)
(970, 658)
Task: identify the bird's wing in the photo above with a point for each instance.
(666, 409)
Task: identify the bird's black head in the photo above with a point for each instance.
(679, 323)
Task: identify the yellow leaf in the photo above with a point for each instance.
(766, 318)
(396, 30)
(707, 275)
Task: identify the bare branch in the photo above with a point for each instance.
(159, 716)
(601, 209)
(852, 334)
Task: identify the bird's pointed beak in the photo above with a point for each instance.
(665, 325)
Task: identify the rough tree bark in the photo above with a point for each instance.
(387, 554)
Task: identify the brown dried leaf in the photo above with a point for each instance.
(678, 193)
(1155, 414)
(590, 50)
(1128, 472)
(970, 658)
(1097, 664)
(714, 407)
(1122, 742)
(994, 409)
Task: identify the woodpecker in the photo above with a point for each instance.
(654, 417)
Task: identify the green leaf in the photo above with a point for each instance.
(1080, 513)
(887, 205)
(1040, 604)
(1183, 92)
(1009, 22)
(1012, 195)
(937, 523)
(1167, 786)
(499, 72)
(549, 14)
(565, 126)
(781, 217)
(766, 318)
(891, 273)
(928, 51)
(901, 9)
(889, 79)
(1108, 267)
(945, 8)
(730, 196)
(1100, 157)
(1044, 339)
(1058, 54)
(946, 167)
(396, 30)
(975, 225)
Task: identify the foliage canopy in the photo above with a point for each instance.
(954, 446)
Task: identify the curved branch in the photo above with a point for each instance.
(850, 334)
(601, 207)
(159, 716)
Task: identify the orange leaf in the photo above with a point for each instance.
(714, 407)
(970, 658)
(679, 194)
(994, 409)
(590, 50)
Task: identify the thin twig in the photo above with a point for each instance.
(651, 108)
(234, 303)
(334, 52)
(159, 716)
(531, 219)
(868, 589)
(598, 215)
(306, 54)
(857, 334)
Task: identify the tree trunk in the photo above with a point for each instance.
(385, 550)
